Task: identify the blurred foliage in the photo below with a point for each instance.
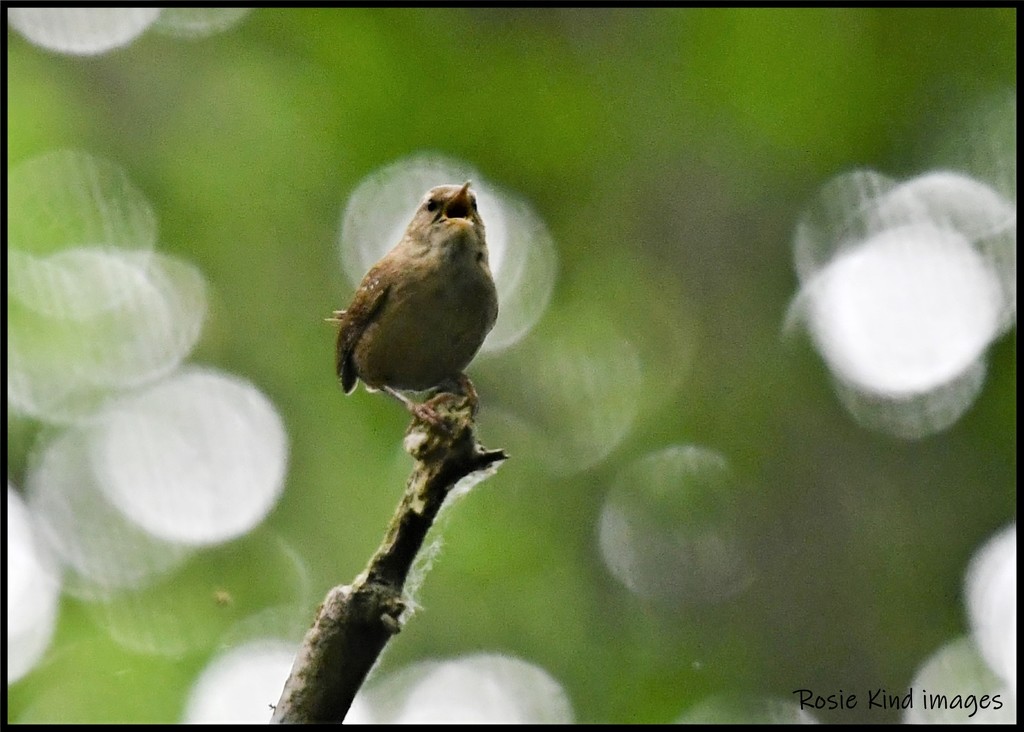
(669, 152)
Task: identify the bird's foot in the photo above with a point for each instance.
(470, 392)
(336, 317)
(424, 412)
(460, 385)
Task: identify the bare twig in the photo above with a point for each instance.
(355, 622)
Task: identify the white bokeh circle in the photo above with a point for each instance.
(957, 672)
(82, 31)
(240, 685)
(909, 310)
(105, 552)
(991, 589)
(72, 198)
(141, 317)
(476, 689)
(33, 591)
(745, 710)
(192, 23)
(665, 530)
(198, 458)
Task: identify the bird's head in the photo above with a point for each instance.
(447, 215)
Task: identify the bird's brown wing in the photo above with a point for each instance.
(366, 303)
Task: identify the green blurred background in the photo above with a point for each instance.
(670, 152)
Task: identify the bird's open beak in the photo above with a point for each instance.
(458, 205)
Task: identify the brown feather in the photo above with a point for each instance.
(365, 305)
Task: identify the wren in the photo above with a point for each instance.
(422, 312)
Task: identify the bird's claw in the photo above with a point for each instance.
(426, 413)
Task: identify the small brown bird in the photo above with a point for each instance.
(421, 313)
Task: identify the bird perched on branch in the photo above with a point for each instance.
(421, 313)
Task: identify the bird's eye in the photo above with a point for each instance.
(432, 205)
(474, 204)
